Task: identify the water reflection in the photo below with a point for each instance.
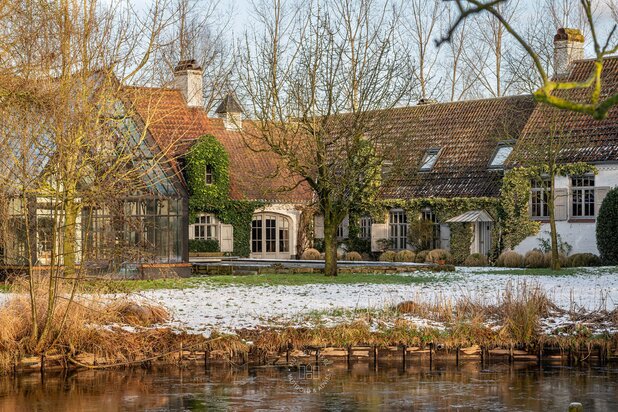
(444, 387)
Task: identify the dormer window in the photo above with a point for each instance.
(502, 153)
(209, 177)
(430, 158)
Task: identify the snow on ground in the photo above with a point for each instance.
(226, 308)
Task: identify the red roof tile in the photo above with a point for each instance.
(254, 175)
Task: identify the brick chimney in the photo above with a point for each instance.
(188, 79)
(568, 47)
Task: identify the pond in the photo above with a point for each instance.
(331, 387)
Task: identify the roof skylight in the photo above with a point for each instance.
(429, 160)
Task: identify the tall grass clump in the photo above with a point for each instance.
(310, 254)
(476, 260)
(405, 256)
(84, 328)
(439, 255)
(388, 256)
(510, 259)
(535, 259)
(577, 260)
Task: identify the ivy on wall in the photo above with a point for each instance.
(214, 198)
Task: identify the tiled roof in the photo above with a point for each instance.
(581, 138)
(254, 175)
(467, 134)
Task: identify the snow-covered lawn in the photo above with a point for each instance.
(229, 307)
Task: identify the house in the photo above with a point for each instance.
(579, 138)
(142, 229)
(454, 157)
(256, 177)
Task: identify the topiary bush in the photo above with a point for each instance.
(204, 245)
(437, 255)
(405, 256)
(607, 228)
(510, 259)
(421, 256)
(388, 256)
(578, 260)
(310, 254)
(353, 256)
(564, 260)
(535, 259)
(476, 260)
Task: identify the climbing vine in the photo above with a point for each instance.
(214, 197)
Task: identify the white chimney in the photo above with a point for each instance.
(188, 79)
(568, 47)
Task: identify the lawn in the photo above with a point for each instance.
(418, 278)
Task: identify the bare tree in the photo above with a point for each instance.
(596, 105)
(421, 21)
(69, 142)
(321, 79)
(199, 32)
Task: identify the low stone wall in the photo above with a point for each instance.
(218, 269)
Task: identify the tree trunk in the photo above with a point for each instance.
(330, 245)
(330, 249)
(555, 257)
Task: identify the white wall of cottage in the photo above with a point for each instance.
(580, 235)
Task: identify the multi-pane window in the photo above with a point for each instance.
(539, 198)
(365, 228)
(271, 234)
(205, 227)
(209, 177)
(284, 236)
(429, 160)
(256, 234)
(583, 196)
(398, 229)
(428, 216)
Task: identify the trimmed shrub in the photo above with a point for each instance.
(388, 256)
(564, 261)
(510, 259)
(535, 259)
(204, 245)
(475, 260)
(310, 254)
(405, 256)
(421, 256)
(607, 228)
(437, 255)
(578, 260)
(353, 256)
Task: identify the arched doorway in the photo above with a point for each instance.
(270, 236)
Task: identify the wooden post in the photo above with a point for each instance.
(375, 357)
(482, 357)
(430, 355)
(511, 354)
(403, 356)
(349, 355)
(317, 355)
(43, 364)
(206, 356)
(287, 355)
(457, 356)
(539, 356)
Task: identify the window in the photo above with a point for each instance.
(205, 227)
(398, 229)
(502, 152)
(256, 234)
(365, 228)
(428, 216)
(429, 160)
(583, 196)
(539, 198)
(284, 236)
(209, 176)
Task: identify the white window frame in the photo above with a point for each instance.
(582, 196)
(209, 175)
(364, 226)
(429, 159)
(205, 227)
(539, 195)
(398, 229)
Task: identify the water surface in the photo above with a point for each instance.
(333, 387)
